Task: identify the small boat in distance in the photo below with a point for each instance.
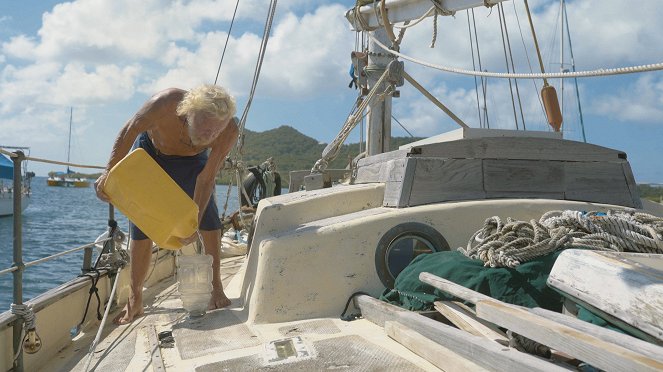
(69, 178)
(66, 179)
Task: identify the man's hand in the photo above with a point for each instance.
(99, 187)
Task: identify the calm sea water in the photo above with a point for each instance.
(57, 219)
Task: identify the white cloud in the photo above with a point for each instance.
(311, 54)
(103, 83)
(301, 59)
(641, 101)
(20, 46)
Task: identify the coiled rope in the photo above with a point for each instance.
(509, 244)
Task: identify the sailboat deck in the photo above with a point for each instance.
(222, 340)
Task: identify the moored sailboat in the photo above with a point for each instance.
(68, 178)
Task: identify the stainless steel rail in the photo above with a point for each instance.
(19, 266)
(51, 257)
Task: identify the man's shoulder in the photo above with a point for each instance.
(170, 95)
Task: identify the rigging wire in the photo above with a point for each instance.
(529, 62)
(575, 80)
(242, 121)
(550, 47)
(402, 126)
(536, 42)
(474, 66)
(506, 59)
(226, 45)
(258, 68)
(484, 82)
(513, 66)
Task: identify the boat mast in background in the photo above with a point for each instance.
(71, 115)
(66, 179)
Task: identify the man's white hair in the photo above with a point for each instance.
(210, 99)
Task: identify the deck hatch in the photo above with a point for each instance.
(216, 332)
(286, 350)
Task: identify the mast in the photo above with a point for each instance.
(379, 116)
(71, 114)
(366, 18)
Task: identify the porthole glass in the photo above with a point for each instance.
(403, 243)
(405, 249)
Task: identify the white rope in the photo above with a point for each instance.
(27, 314)
(417, 21)
(330, 152)
(103, 322)
(434, 39)
(549, 75)
(13, 155)
(509, 244)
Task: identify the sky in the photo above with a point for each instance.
(105, 58)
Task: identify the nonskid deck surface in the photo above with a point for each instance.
(221, 340)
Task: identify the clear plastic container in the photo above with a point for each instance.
(194, 276)
(144, 192)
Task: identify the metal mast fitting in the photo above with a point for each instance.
(408, 10)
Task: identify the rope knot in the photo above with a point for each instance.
(26, 313)
(115, 260)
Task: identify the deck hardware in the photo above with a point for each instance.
(31, 342)
(286, 350)
(166, 339)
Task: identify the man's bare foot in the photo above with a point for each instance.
(218, 300)
(132, 310)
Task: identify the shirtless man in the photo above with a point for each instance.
(176, 128)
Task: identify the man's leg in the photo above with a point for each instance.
(212, 241)
(141, 251)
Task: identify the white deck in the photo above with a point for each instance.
(221, 340)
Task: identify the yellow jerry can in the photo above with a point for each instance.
(144, 192)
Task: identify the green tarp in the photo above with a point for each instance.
(525, 285)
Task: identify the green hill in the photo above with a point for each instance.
(293, 150)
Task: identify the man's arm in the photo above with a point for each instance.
(220, 149)
(146, 118)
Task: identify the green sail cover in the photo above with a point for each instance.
(524, 285)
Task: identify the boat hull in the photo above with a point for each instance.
(7, 204)
(52, 182)
(68, 182)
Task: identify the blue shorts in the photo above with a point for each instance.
(183, 170)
